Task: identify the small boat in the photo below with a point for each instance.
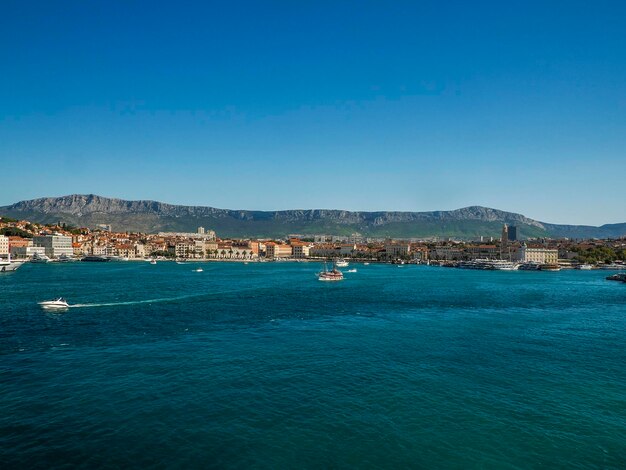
(37, 258)
(366, 264)
(613, 266)
(617, 277)
(584, 267)
(57, 304)
(529, 266)
(153, 261)
(549, 267)
(199, 270)
(353, 270)
(341, 263)
(332, 275)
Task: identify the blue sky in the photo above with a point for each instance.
(519, 106)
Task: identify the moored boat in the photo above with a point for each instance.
(549, 267)
(7, 266)
(95, 259)
(37, 258)
(613, 267)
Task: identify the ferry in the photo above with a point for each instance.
(501, 265)
(332, 275)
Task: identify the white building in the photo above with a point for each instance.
(207, 234)
(537, 255)
(397, 250)
(4, 246)
(27, 251)
(301, 250)
(185, 249)
(55, 245)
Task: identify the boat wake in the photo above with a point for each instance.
(156, 301)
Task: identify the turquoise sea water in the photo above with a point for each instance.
(263, 366)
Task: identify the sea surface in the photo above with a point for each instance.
(263, 366)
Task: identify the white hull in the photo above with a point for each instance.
(9, 267)
(54, 304)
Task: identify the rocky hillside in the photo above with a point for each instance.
(152, 216)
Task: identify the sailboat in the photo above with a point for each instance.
(332, 275)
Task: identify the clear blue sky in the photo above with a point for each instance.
(356, 105)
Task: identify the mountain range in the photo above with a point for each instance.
(151, 216)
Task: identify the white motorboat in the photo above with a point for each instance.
(57, 304)
(6, 265)
(366, 264)
(585, 267)
(353, 270)
(37, 258)
(153, 261)
(199, 270)
(342, 263)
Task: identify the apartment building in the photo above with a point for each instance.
(4, 247)
(277, 250)
(54, 245)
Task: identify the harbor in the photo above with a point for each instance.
(136, 338)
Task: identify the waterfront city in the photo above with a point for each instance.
(24, 240)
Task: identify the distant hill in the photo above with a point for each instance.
(151, 216)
